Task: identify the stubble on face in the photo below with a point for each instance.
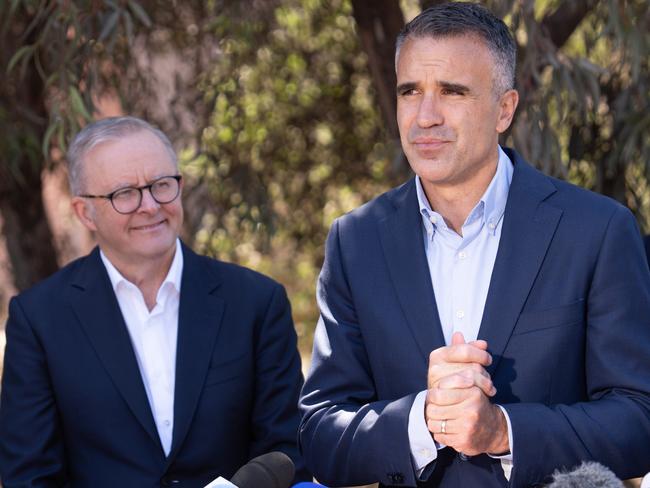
(149, 234)
(447, 110)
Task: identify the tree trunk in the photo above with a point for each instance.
(26, 229)
(378, 23)
(24, 120)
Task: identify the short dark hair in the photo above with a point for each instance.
(463, 18)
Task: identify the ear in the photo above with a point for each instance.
(85, 212)
(507, 106)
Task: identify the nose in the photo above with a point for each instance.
(148, 204)
(429, 112)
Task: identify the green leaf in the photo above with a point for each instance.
(109, 26)
(46, 139)
(128, 23)
(24, 52)
(78, 104)
(140, 13)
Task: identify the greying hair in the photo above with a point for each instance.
(456, 19)
(109, 129)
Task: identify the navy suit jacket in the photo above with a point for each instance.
(567, 320)
(74, 411)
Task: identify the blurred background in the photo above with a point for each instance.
(282, 112)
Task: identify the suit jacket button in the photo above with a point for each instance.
(167, 481)
(395, 478)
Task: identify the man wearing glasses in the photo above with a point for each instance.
(143, 364)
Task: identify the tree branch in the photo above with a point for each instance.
(560, 24)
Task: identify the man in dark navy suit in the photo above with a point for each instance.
(143, 364)
(483, 324)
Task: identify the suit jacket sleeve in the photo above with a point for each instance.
(278, 381)
(31, 444)
(613, 426)
(339, 403)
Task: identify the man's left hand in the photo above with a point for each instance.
(472, 424)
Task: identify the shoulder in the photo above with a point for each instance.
(233, 276)
(379, 207)
(52, 288)
(571, 199)
(584, 202)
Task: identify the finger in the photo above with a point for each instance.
(480, 343)
(438, 371)
(462, 379)
(484, 383)
(480, 379)
(440, 427)
(457, 338)
(464, 353)
(446, 397)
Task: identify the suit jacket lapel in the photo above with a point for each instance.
(402, 241)
(199, 319)
(95, 305)
(528, 226)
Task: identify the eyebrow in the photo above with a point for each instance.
(404, 87)
(455, 87)
(446, 85)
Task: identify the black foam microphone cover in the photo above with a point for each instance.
(271, 470)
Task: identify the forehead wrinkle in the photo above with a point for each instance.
(419, 65)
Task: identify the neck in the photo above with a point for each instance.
(147, 275)
(455, 201)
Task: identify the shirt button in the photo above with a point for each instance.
(462, 255)
(167, 423)
(460, 314)
(425, 452)
(433, 219)
(492, 225)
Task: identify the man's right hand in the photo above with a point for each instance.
(461, 356)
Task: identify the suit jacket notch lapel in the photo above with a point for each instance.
(528, 227)
(199, 319)
(402, 242)
(93, 300)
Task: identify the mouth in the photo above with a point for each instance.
(428, 147)
(149, 227)
(428, 142)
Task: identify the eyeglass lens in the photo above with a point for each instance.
(163, 190)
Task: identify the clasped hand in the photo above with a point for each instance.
(458, 410)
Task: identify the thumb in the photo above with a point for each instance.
(457, 338)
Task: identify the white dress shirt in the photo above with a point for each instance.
(153, 336)
(461, 269)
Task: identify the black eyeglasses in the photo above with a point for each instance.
(127, 200)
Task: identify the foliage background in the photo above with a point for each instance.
(282, 113)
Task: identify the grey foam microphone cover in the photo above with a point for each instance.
(588, 475)
(271, 470)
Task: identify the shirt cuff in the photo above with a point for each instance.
(506, 459)
(423, 448)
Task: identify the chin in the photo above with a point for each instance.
(432, 171)
(156, 247)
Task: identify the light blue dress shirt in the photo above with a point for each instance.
(461, 268)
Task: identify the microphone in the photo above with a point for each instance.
(271, 470)
(587, 475)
